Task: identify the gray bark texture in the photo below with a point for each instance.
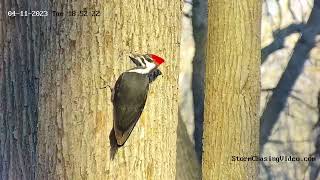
(20, 47)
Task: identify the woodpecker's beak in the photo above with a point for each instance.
(133, 59)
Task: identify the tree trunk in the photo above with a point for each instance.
(19, 74)
(232, 89)
(187, 166)
(75, 115)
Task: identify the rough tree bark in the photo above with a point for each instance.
(232, 89)
(19, 74)
(75, 115)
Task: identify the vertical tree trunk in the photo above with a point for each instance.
(75, 115)
(231, 126)
(187, 165)
(19, 73)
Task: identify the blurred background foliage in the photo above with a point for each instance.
(290, 83)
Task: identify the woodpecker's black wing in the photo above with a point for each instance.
(130, 95)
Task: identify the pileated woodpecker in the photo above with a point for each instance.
(129, 96)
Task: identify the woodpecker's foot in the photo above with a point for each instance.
(105, 82)
(111, 89)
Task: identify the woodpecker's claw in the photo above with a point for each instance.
(112, 91)
(106, 87)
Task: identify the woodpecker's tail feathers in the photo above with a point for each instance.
(113, 144)
(106, 87)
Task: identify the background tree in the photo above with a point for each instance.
(290, 76)
(232, 88)
(20, 47)
(278, 100)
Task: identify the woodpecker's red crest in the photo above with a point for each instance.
(158, 60)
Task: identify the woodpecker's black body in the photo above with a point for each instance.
(129, 96)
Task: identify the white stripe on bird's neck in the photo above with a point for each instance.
(146, 69)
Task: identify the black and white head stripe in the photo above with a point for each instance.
(144, 62)
(147, 57)
(135, 61)
(140, 60)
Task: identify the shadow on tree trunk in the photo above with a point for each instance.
(20, 44)
(294, 68)
(279, 39)
(199, 24)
